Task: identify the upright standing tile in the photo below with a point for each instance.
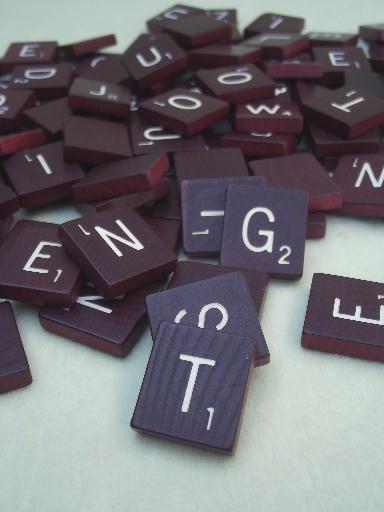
(215, 55)
(278, 45)
(376, 57)
(345, 316)
(303, 172)
(372, 32)
(41, 176)
(50, 115)
(111, 325)
(48, 82)
(214, 163)
(272, 22)
(347, 111)
(88, 46)
(333, 39)
(184, 111)
(169, 207)
(223, 303)
(14, 368)
(9, 202)
(125, 176)
(174, 13)
(361, 178)
(12, 106)
(94, 141)
(14, 142)
(117, 250)
(194, 31)
(337, 60)
(34, 267)
(268, 116)
(182, 397)
(316, 225)
(37, 52)
(265, 229)
(191, 271)
(203, 207)
(261, 143)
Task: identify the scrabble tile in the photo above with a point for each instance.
(5, 225)
(261, 143)
(361, 177)
(113, 326)
(344, 316)
(12, 105)
(336, 60)
(282, 91)
(347, 111)
(49, 177)
(271, 22)
(148, 138)
(303, 91)
(14, 142)
(126, 176)
(48, 82)
(265, 229)
(174, 13)
(169, 207)
(154, 58)
(372, 32)
(14, 368)
(302, 172)
(104, 67)
(215, 163)
(376, 57)
(94, 141)
(278, 45)
(183, 111)
(268, 116)
(49, 115)
(34, 267)
(366, 81)
(43, 52)
(236, 84)
(316, 225)
(9, 202)
(191, 271)
(88, 46)
(333, 39)
(182, 397)
(100, 98)
(193, 31)
(216, 55)
(324, 143)
(116, 250)
(226, 15)
(298, 67)
(203, 209)
(223, 303)
(168, 230)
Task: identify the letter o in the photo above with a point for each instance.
(234, 78)
(190, 103)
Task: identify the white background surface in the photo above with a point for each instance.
(312, 436)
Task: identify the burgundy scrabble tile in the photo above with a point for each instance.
(88, 46)
(168, 230)
(154, 58)
(365, 81)
(9, 202)
(111, 325)
(174, 13)
(214, 163)
(5, 226)
(15, 142)
(183, 111)
(50, 115)
(203, 208)
(362, 179)
(193, 31)
(215, 55)
(191, 271)
(347, 111)
(236, 84)
(49, 177)
(271, 22)
(169, 207)
(227, 15)
(376, 57)
(34, 267)
(324, 143)
(28, 53)
(104, 67)
(298, 67)
(337, 60)
(344, 316)
(282, 91)
(126, 176)
(223, 303)
(316, 225)
(261, 144)
(302, 172)
(265, 229)
(48, 82)
(116, 250)
(303, 91)
(268, 116)
(14, 368)
(333, 39)
(372, 32)
(99, 98)
(182, 397)
(147, 138)
(278, 45)
(12, 105)
(94, 141)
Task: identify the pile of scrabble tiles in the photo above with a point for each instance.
(242, 142)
